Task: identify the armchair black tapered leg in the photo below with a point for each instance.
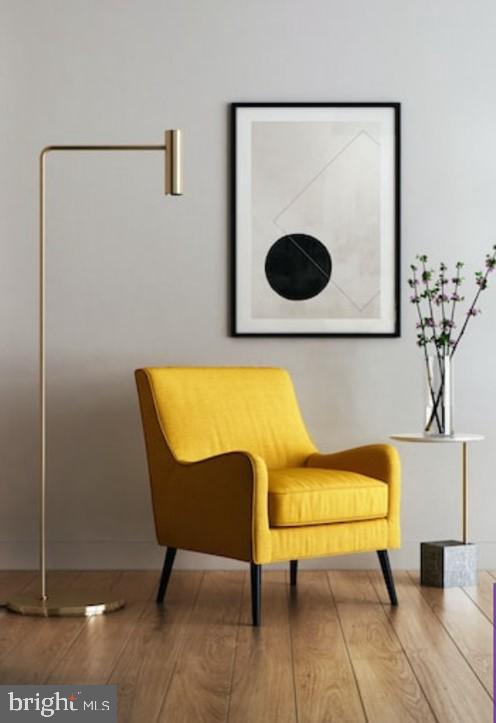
(256, 592)
(293, 572)
(166, 571)
(388, 575)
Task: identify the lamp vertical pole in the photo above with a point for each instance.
(42, 380)
(80, 602)
(465, 492)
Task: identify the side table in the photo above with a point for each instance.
(448, 563)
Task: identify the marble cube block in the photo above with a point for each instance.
(448, 563)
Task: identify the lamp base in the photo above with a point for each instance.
(76, 603)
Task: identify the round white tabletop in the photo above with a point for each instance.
(438, 439)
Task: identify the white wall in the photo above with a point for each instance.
(137, 279)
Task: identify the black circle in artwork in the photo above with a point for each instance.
(298, 266)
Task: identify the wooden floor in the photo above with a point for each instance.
(333, 651)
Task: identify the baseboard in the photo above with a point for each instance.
(147, 555)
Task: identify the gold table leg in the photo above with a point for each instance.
(465, 493)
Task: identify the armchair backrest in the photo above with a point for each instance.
(208, 411)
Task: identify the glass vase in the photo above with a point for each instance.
(439, 395)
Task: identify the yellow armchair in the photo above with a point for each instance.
(234, 473)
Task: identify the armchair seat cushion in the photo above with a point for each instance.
(313, 496)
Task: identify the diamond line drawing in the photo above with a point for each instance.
(358, 306)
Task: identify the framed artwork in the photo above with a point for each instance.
(316, 219)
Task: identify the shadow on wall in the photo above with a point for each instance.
(19, 453)
(98, 486)
(96, 461)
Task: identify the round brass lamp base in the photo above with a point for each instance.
(77, 603)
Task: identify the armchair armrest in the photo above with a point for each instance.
(380, 461)
(223, 502)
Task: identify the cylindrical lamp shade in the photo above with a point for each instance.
(173, 163)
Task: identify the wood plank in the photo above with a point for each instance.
(95, 650)
(467, 625)
(388, 686)
(12, 582)
(146, 664)
(452, 688)
(326, 688)
(38, 641)
(11, 625)
(482, 594)
(263, 684)
(205, 664)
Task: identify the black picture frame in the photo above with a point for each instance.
(396, 108)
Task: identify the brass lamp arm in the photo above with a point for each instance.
(172, 148)
(104, 147)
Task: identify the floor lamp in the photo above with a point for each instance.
(78, 603)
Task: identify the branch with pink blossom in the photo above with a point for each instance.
(437, 299)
